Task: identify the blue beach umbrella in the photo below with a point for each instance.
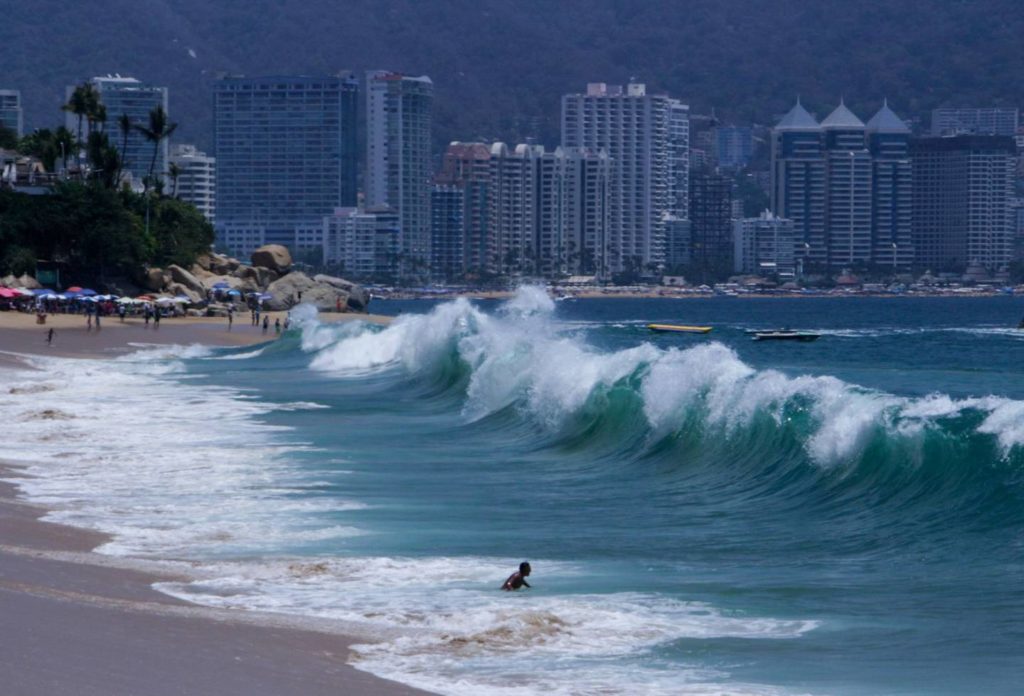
(220, 286)
(233, 293)
(86, 292)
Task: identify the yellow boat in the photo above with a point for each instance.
(675, 328)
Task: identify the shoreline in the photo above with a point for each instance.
(80, 622)
(20, 335)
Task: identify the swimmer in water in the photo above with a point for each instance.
(518, 578)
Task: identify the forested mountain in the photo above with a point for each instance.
(499, 66)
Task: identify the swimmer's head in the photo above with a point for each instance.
(524, 568)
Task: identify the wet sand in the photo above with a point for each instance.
(76, 622)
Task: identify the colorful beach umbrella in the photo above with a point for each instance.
(87, 292)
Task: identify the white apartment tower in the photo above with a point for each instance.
(193, 178)
(398, 162)
(646, 137)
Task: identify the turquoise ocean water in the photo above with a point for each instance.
(703, 514)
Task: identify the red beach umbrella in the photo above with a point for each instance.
(74, 289)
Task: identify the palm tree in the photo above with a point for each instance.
(174, 171)
(124, 124)
(158, 131)
(78, 105)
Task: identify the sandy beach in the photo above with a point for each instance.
(78, 622)
(19, 333)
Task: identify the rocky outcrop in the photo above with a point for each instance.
(358, 297)
(176, 289)
(288, 291)
(180, 275)
(154, 279)
(272, 256)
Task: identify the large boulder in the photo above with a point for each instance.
(288, 291)
(154, 279)
(265, 277)
(203, 261)
(183, 277)
(272, 256)
(222, 265)
(194, 298)
(358, 297)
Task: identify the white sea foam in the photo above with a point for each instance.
(170, 467)
(465, 637)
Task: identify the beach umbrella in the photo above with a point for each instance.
(233, 293)
(25, 292)
(42, 291)
(8, 293)
(182, 299)
(165, 301)
(87, 292)
(266, 296)
(221, 285)
(74, 288)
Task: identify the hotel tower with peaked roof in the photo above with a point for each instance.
(846, 186)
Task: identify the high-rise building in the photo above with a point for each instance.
(798, 181)
(398, 161)
(193, 176)
(11, 115)
(468, 167)
(363, 243)
(646, 137)
(447, 228)
(549, 211)
(846, 187)
(514, 203)
(891, 189)
(128, 96)
(711, 244)
(765, 246)
(286, 151)
(963, 191)
(991, 121)
(734, 146)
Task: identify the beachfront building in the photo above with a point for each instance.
(846, 186)
(286, 152)
(646, 137)
(892, 203)
(962, 201)
(734, 146)
(363, 244)
(974, 121)
(549, 211)
(122, 95)
(11, 114)
(467, 166)
(193, 178)
(447, 207)
(398, 159)
(764, 246)
(711, 233)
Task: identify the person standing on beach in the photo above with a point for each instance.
(266, 323)
(49, 337)
(231, 316)
(156, 317)
(277, 326)
(145, 313)
(98, 312)
(88, 320)
(518, 578)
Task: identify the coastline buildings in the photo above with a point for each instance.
(11, 113)
(711, 245)
(963, 193)
(127, 95)
(447, 231)
(364, 243)
(398, 161)
(286, 150)
(196, 179)
(764, 246)
(467, 166)
(646, 137)
(846, 186)
(991, 121)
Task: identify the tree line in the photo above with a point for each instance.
(91, 222)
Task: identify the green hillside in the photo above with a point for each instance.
(499, 67)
